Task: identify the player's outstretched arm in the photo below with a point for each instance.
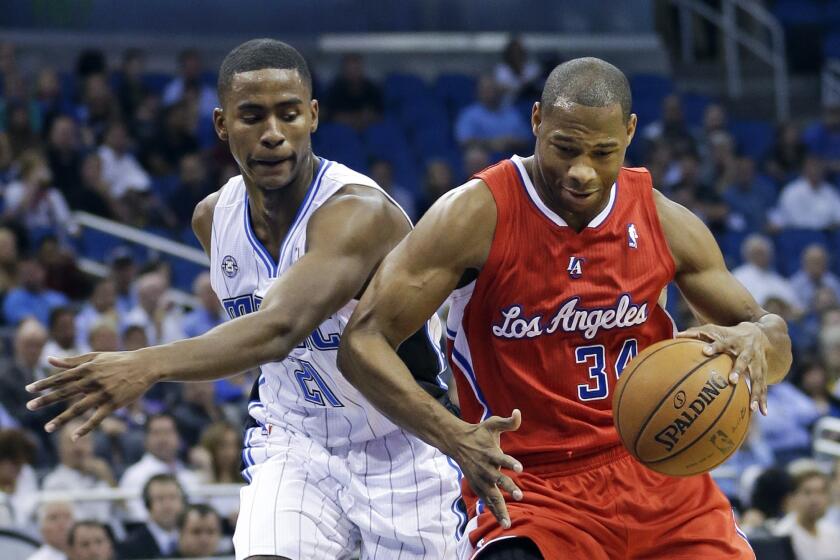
(413, 281)
(737, 325)
(347, 238)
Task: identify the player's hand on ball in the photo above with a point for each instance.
(480, 456)
(103, 382)
(748, 344)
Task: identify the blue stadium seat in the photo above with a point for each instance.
(831, 12)
(97, 245)
(831, 45)
(341, 143)
(651, 84)
(455, 91)
(753, 138)
(156, 81)
(798, 12)
(730, 245)
(399, 89)
(789, 246)
(694, 106)
(433, 139)
(386, 140)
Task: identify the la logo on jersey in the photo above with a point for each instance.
(632, 236)
(575, 268)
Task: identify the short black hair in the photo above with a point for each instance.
(258, 54)
(203, 510)
(57, 312)
(163, 478)
(71, 536)
(588, 81)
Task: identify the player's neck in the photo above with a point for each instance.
(273, 211)
(575, 220)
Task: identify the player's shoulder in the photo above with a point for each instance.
(690, 241)
(202, 218)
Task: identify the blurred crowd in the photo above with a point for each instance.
(138, 147)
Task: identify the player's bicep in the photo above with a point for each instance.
(711, 290)
(420, 273)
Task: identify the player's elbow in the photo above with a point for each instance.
(278, 338)
(352, 348)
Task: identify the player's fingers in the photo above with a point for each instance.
(758, 374)
(741, 366)
(61, 394)
(509, 424)
(101, 413)
(74, 411)
(56, 380)
(496, 503)
(507, 484)
(72, 361)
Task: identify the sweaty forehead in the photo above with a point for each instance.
(266, 85)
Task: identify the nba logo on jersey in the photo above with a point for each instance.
(229, 266)
(575, 268)
(632, 236)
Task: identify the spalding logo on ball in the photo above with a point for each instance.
(675, 410)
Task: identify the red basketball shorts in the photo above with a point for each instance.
(611, 507)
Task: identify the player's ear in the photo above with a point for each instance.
(631, 127)
(313, 108)
(536, 117)
(219, 124)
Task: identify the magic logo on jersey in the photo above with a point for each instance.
(571, 318)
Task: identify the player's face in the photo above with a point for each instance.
(579, 151)
(267, 118)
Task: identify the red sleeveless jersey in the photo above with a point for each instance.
(554, 315)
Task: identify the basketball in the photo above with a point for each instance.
(675, 410)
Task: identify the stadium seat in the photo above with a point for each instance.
(341, 143)
(789, 246)
(156, 81)
(730, 245)
(399, 89)
(831, 45)
(798, 12)
(694, 106)
(753, 138)
(455, 91)
(97, 245)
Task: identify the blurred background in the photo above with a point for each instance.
(106, 145)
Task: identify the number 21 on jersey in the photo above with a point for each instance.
(594, 356)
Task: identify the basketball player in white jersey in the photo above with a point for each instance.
(293, 242)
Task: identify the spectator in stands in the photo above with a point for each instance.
(189, 85)
(222, 446)
(809, 202)
(119, 167)
(813, 275)
(353, 98)
(18, 484)
(36, 203)
(175, 139)
(89, 62)
(751, 458)
(162, 446)
(197, 408)
(31, 298)
(23, 368)
(54, 520)
(207, 316)
(700, 197)
(8, 260)
(768, 501)
(437, 181)
(812, 380)
(19, 128)
(382, 172)
(103, 337)
(749, 198)
(518, 76)
(829, 348)
(787, 155)
(95, 194)
(101, 306)
(62, 332)
(476, 158)
(490, 123)
(48, 97)
(90, 540)
(64, 152)
(833, 513)
(154, 311)
(61, 270)
(145, 123)
(714, 120)
(813, 536)
(158, 536)
(131, 90)
(823, 138)
(123, 272)
(193, 186)
(199, 532)
(98, 108)
(134, 338)
(718, 170)
(758, 277)
(80, 469)
(671, 129)
(788, 430)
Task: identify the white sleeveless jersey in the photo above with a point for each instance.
(305, 392)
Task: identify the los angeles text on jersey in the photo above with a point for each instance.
(570, 318)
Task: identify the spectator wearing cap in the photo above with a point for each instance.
(30, 298)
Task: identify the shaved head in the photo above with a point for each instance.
(591, 82)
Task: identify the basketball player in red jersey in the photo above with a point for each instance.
(557, 262)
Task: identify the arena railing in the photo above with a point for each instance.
(771, 52)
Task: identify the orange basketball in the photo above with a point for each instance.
(676, 411)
